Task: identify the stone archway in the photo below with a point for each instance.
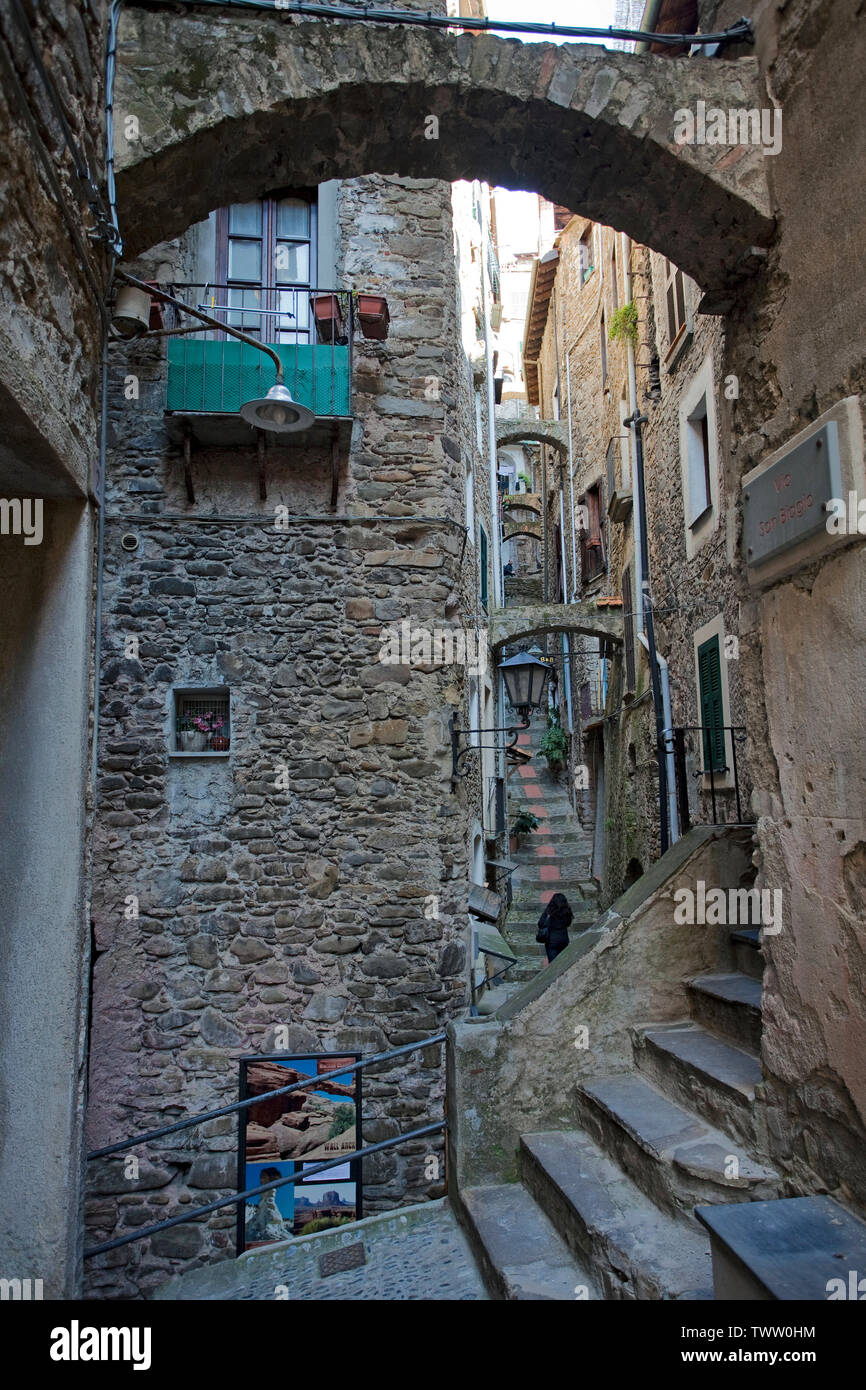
(531, 529)
(276, 102)
(509, 625)
(551, 432)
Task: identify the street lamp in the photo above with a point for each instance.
(277, 411)
(525, 684)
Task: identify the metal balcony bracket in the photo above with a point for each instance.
(263, 482)
(335, 467)
(187, 465)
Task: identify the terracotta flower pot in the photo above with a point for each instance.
(219, 743)
(373, 315)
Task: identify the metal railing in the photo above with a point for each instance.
(312, 330)
(715, 741)
(195, 1213)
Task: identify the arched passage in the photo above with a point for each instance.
(551, 432)
(509, 625)
(278, 103)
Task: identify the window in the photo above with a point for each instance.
(201, 719)
(591, 539)
(628, 630)
(482, 560)
(262, 246)
(603, 349)
(699, 458)
(711, 704)
(614, 285)
(585, 258)
(675, 302)
(698, 452)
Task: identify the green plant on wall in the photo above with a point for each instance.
(623, 323)
(525, 479)
(554, 745)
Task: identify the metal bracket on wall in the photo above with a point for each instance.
(187, 464)
(335, 467)
(263, 482)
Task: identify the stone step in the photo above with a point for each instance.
(748, 957)
(728, 1003)
(631, 1248)
(792, 1249)
(704, 1072)
(517, 1247)
(675, 1157)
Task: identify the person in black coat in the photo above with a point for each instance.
(553, 925)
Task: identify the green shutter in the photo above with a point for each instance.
(482, 548)
(712, 716)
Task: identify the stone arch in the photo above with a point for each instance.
(531, 529)
(509, 625)
(551, 432)
(275, 102)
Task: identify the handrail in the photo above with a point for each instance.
(677, 734)
(304, 1176)
(254, 1100)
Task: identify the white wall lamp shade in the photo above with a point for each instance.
(277, 412)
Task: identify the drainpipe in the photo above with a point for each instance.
(573, 597)
(635, 421)
(640, 529)
(648, 25)
(566, 646)
(496, 556)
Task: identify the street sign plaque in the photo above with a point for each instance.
(787, 503)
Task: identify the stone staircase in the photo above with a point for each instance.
(608, 1204)
(556, 858)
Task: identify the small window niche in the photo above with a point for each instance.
(201, 722)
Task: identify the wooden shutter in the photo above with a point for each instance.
(482, 559)
(712, 715)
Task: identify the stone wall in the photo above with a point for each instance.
(307, 906)
(50, 342)
(49, 345)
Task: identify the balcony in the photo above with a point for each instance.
(211, 375)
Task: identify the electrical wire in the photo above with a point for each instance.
(741, 32)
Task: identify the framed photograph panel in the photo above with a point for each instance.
(285, 1135)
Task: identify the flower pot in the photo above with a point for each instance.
(373, 315)
(192, 741)
(329, 318)
(219, 743)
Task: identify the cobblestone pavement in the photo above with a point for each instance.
(417, 1253)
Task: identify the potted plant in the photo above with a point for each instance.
(191, 738)
(525, 479)
(329, 318)
(523, 824)
(554, 745)
(373, 315)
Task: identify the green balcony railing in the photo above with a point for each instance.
(210, 373)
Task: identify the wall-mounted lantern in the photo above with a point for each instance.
(525, 684)
(373, 315)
